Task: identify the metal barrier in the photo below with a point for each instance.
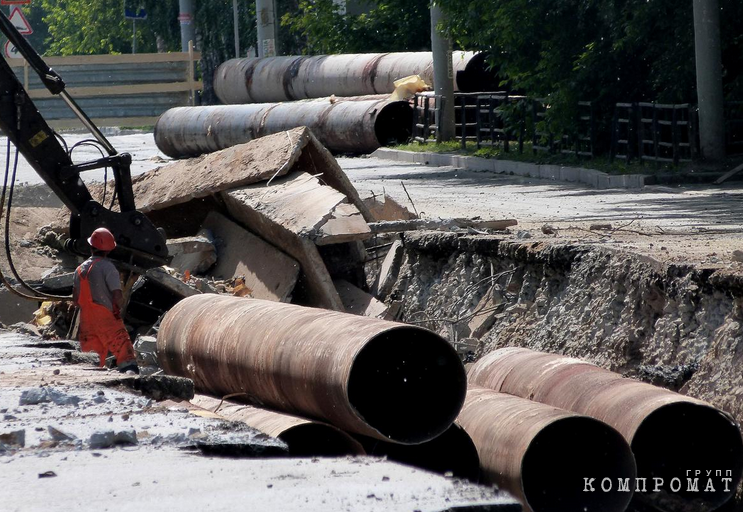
(115, 90)
(581, 143)
(426, 117)
(654, 132)
(734, 127)
(623, 130)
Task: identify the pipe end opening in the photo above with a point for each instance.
(408, 384)
(683, 437)
(568, 451)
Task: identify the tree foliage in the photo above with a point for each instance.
(604, 51)
(389, 25)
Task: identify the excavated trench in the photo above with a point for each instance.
(676, 326)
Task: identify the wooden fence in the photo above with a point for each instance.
(115, 90)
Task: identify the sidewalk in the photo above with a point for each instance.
(596, 179)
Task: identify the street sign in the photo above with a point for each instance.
(20, 22)
(15, 2)
(135, 14)
(11, 52)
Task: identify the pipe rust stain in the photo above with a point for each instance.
(290, 75)
(369, 73)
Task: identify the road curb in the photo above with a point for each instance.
(591, 177)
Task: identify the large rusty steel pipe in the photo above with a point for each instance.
(381, 379)
(542, 454)
(342, 126)
(269, 80)
(305, 438)
(451, 452)
(669, 433)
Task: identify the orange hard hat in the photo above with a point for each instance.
(102, 239)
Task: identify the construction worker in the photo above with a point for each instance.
(97, 292)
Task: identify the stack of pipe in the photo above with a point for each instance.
(342, 116)
(396, 387)
(674, 438)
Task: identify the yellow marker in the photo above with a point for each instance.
(38, 138)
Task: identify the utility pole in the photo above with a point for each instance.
(266, 20)
(443, 74)
(709, 78)
(236, 21)
(188, 33)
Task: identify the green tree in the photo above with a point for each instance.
(389, 25)
(79, 27)
(604, 51)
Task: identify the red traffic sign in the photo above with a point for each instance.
(11, 52)
(20, 22)
(15, 2)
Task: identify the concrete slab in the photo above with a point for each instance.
(389, 270)
(358, 302)
(171, 283)
(270, 273)
(344, 225)
(290, 213)
(183, 180)
(14, 309)
(386, 208)
(195, 254)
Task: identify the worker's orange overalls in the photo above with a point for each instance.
(100, 330)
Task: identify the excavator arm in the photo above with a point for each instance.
(139, 243)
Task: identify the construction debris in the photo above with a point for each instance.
(439, 225)
(266, 271)
(356, 301)
(389, 270)
(193, 254)
(387, 209)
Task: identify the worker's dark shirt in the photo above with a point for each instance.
(104, 279)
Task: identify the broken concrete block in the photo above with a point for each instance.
(344, 225)
(301, 204)
(389, 270)
(195, 254)
(14, 309)
(291, 213)
(184, 180)
(58, 282)
(356, 301)
(145, 348)
(26, 328)
(484, 317)
(109, 438)
(37, 396)
(384, 208)
(172, 283)
(58, 435)
(15, 439)
(268, 273)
